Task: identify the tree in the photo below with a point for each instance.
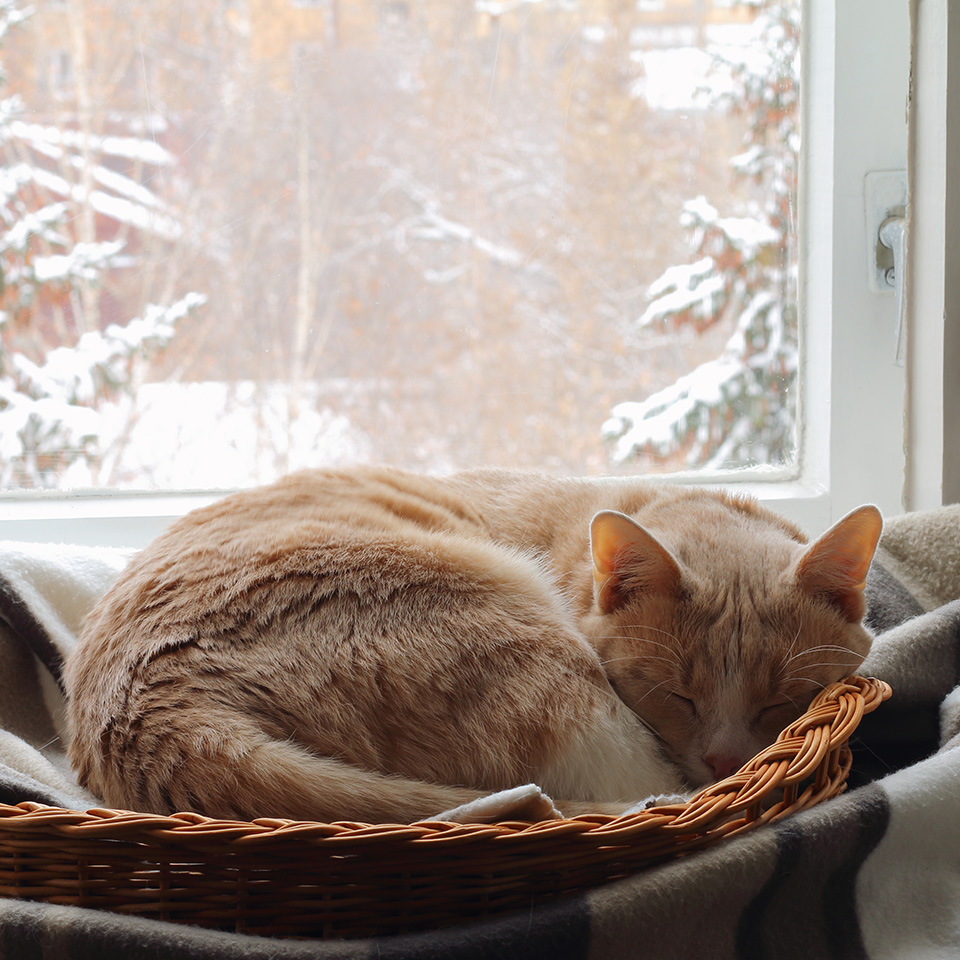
(59, 361)
(739, 409)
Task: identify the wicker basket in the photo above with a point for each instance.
(287, 878)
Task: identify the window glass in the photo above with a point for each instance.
(254, 236)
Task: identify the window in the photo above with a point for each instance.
(845, 378)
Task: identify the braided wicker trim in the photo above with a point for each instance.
(288, 878)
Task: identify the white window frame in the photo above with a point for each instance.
(933, 361)
(858, 445)
(853, 393)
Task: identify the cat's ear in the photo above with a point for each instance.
(835, 567)
(626, 558)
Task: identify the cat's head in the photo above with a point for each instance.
(717, 624)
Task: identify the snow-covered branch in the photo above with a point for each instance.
(48, 410)
(739, 408)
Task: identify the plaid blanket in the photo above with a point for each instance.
(873, 874)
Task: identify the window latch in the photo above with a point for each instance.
(885, 194)
(893, 236)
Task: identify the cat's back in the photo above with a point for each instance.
(316, 503)
(253, 556)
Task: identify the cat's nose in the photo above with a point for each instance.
(722, 764)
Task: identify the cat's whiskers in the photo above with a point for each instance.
(820, 663)
(816, 683)
(679, 656)
(785, 659)
(656, 686)
(828, 663)
(820, 648)
(646, 626)
(673, 655)
(636, 656)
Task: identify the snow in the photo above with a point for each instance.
(432, 226)
(122, 185)
(11, 16)
(80, 422)
(663, 417)
(157, 326)
(116, 208)
(118, 197)
(69, 375)
(698, 209)
(39, 223)
(678, 79)
(203, 435)
(682, 276)
(747, 234)
(215, 435)
(694, 290)
(85, 260)
(53, 420)
(744, 47)
(14, 177)
(496, 8)
(51, 140)
(657, 420)
(679, 76)
(594, 33)
(134, 215)
(48, 407)
(750, 161)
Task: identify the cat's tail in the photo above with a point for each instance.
(253, 775)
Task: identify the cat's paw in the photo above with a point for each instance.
(658, 800)
(528, 802)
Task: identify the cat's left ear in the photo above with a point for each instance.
(627, 558)
(835, 567)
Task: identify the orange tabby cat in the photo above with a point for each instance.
(378, 646)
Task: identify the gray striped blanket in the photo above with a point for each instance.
(873, 874)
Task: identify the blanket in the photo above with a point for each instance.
(873, 874)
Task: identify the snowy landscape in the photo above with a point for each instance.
(448, 318)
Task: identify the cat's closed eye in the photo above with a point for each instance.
(776, 715)
(684, 703)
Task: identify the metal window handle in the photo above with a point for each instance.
(893, 235)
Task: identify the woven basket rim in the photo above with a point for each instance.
(165, 865)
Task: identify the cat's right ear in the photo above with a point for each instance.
(627, 559)
(834, 568)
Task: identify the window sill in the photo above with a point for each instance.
(127, 520)
(133, 520)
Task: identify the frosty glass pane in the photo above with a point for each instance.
(554, 234)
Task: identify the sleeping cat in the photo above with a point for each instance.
(375, 645)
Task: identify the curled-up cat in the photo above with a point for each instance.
(374, 645)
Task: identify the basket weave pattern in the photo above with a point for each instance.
(287, 878)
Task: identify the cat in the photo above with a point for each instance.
(377, 646)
